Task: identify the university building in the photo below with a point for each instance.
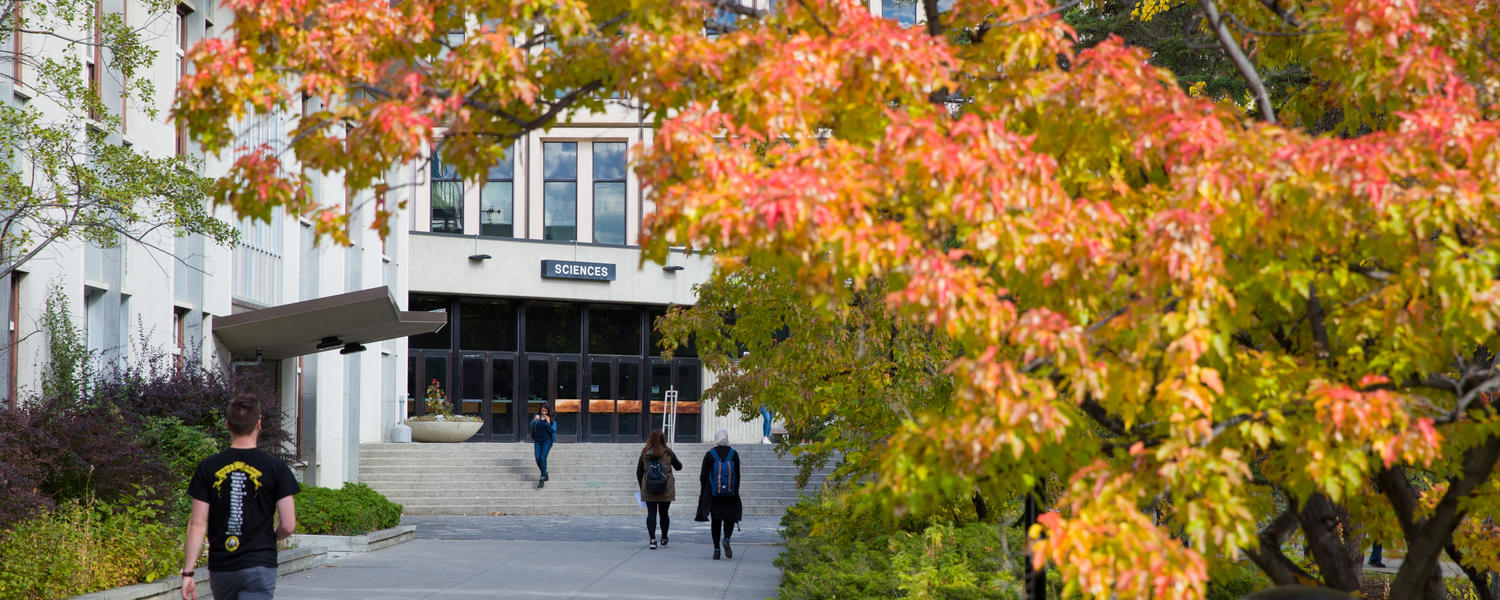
(521, 289)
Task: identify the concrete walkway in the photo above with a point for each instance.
(549, 557)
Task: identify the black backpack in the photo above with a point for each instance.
(656, 477)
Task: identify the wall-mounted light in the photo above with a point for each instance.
(479, 257)
(352, 347)
(330, 342)
(672, 268)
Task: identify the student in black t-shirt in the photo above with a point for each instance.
(235, 493)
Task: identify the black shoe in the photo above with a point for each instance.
(716, 554)
(664, 541)
(728, 552)
(541, 483)
(546, 478)
(653, 544)
(1377, 564)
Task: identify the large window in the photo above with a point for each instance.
(486, 324)
(609, 192)
(447, 197)
(552, 327)
(497, 200)
(441, 339)
(560, 191)
(615, 330)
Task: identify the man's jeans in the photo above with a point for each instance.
(254, 583)
(765, 422)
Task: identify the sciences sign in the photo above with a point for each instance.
(568, 269)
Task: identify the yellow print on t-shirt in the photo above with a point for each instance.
(223, 474)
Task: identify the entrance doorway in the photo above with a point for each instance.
(614, 399)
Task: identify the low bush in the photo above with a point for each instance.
(57, 451)
(1235, 581)
(352, 510)
(835, 549)
(181, 447)
(85, 546)
(153, 387)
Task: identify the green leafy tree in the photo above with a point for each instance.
(843, 379)
(63, 173)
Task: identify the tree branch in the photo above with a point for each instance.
(1269, 557)
(1426, 540)
(1241, 62)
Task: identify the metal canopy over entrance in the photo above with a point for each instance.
(328, 323)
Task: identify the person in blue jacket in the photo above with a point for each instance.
(543, 431)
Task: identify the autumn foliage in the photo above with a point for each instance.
(1216, 332)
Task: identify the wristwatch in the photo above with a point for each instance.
(187, 573)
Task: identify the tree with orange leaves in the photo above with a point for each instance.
(1219, 327)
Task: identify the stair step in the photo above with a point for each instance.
(587, 479)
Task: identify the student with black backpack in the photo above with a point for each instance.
(658, 486)
(720, 478)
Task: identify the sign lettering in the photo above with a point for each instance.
(567, 269)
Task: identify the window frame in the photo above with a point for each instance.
(622, 181)
(546, 179)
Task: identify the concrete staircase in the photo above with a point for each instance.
(586, 479)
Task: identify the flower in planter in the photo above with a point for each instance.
(439, 408)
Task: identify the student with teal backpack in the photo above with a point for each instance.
(720, 478)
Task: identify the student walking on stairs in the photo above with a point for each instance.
(543, 432)
(658, 485)
(720, 495)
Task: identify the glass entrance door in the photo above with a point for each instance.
(613, 403)
(554, 381)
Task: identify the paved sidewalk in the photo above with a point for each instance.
(548, 557)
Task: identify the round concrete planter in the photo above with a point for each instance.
(442, 431)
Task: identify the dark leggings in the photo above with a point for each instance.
(714, 526)
(653, 509)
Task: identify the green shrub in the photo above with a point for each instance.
(181, 447)
(1235, 581)
(84, 547)
(835, 549)
(353, 510)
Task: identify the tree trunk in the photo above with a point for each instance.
(1334, 540)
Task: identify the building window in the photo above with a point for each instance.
(615, 330)
(257, 261)
(609, 192)
(486, 324)
(723, 21)
(560, 191)
(440, 339)
(180, 51)
(13, 338)
(447, 197)
(179, 337)
(553, 327)
(15, 45)
(903, 11)
(497, 215)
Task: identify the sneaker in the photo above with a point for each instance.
(765, 440)
(1377, 564)
(728, 552)
(716, 554)
(664, 541)
(653, 545)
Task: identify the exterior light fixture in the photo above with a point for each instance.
(479, 257)
(672, 268)
(330, 342)
(352, 347)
